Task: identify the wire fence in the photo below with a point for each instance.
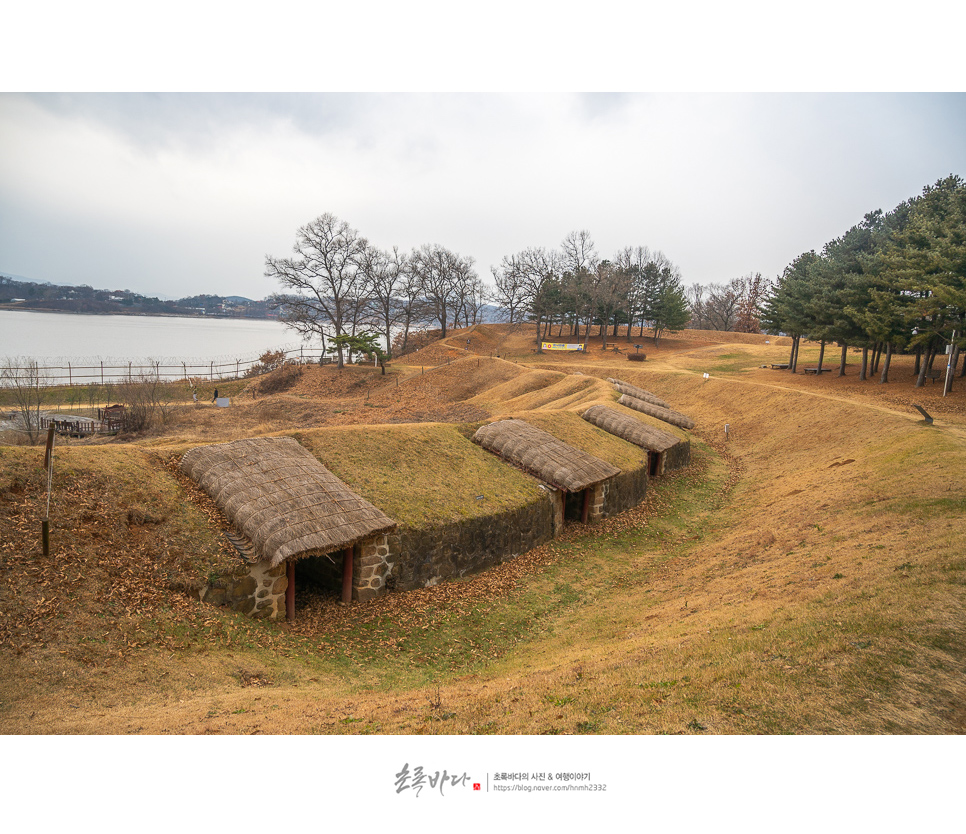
(101, 372)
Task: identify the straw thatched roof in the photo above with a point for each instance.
(280, 497)
(675, 418)
(638, 393)
(630, 428)
(543, 455)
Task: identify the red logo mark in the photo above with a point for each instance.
(476, 786)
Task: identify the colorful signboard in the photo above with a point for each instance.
(559, 346)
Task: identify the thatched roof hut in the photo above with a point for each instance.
(278, 495)
(638, 393)
(630, 429)
(675, 418)
(541, 454)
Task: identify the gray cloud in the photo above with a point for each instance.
(176, 193)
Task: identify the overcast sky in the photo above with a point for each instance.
(181, 193)
(176, 194)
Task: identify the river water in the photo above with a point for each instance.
(89, 341)
(78, 337)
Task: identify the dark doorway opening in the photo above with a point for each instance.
(318, 576)
(653, 464)
(575, 505)
(315, 585)
(321, 579)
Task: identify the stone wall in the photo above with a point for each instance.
(621, 493)
(423, 557)
(677, 457)
(252, 588)
(371, 564)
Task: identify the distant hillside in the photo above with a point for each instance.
(17, 293)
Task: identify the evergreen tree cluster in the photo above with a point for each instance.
(573, 288)
(896, 282)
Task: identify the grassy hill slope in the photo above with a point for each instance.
(806, 575)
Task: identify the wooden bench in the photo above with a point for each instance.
(783, 367)
(816, 371)
(934, 375)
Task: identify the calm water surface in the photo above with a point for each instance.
(79, 338)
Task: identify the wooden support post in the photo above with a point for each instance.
(585, 510)
(923, 412)
(290, 591)
(347, 575)
(50, 446)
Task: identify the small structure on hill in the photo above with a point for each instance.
(665, 452)
(570, 471)
(285, 506)
(638, 393)
(113, 416)
(674, 418)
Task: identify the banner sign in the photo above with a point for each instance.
(559, 346)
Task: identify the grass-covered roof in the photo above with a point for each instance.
(421, 473)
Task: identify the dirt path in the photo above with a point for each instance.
(665, 365)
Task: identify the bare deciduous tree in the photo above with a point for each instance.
(324, 284)
(387, 273)
(147, 401)
(510, 285)
(443, 279)
(29, 382)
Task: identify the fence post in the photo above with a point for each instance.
(211, 371)
(102, 372)
(184, 368)
(237, 363)
(70, 375)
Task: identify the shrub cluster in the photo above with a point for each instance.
(280, 380)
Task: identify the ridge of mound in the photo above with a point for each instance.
(524, 383)
(462, 379)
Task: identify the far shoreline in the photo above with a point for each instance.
(20, 309)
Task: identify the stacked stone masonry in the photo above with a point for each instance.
(370, 567)
(255, 589)
(426, 556)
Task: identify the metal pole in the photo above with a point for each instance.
(948, 384)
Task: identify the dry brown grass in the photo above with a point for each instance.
(807, 576)
(420, 474)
